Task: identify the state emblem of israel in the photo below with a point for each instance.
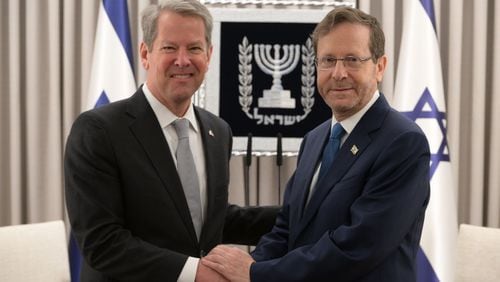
(276, 60)
(273, 79)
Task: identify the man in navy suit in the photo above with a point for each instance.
(125, 200)
(362, 219)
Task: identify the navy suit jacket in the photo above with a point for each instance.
(125, 201)
(364, 220)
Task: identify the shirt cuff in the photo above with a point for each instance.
(188, 273)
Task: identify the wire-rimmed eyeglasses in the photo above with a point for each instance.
(350, 62)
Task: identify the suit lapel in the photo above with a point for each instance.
(209, 141)
(360, 138)
(311, 158)
(147, 130)
(344, 160)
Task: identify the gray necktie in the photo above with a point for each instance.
(187, 173)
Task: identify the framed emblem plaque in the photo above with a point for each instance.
(262, 77)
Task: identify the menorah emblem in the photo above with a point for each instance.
(272, 64)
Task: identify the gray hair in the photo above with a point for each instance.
(194, 8)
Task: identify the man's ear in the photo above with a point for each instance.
(144, 54)
(381, 65)
(210, 50)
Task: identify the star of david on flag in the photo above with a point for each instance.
(111, 77)
(419, 94)
(426, 108)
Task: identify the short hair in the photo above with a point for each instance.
(355, 16)
(194, 8)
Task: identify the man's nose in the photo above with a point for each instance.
(183, 59)
(339, 71)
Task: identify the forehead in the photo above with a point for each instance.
(172, 26)
(345, 39)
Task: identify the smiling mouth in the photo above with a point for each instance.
(341, 89)
(185, 75)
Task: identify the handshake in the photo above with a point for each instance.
(225, 263)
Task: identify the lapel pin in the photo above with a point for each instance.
(211, 133)
(354, 149)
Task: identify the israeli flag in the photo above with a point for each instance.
(111, 77)
(419, 94)
(112, 73)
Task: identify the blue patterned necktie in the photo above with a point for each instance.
(331, 149)
(187, 173)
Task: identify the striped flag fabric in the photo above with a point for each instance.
(111, 77)
(419, 94)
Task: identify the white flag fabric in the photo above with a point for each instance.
(111, 77)
(419, 94)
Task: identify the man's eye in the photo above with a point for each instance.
(329, 60)
(167, 48)
(351, 59)
(196, 49)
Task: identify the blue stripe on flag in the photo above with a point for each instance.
(425, 271)
(75, 259)
(102, 100)
(429, 9)
(118, 15)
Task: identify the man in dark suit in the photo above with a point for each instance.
(125, 197)
(361, 220)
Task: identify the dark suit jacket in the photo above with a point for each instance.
(364, 220)
(125, 201)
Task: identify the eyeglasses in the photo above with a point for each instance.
(350, 62)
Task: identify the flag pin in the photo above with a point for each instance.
(354, 149)
(211, 133)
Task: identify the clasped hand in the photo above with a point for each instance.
(230, 262)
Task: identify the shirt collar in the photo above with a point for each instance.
(164, 115)
(349, 123)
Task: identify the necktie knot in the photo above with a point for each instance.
(337, 131)
(331, 149)
(182, 128)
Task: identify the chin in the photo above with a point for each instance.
(342, 107)
(184, 95)
(184, 91)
